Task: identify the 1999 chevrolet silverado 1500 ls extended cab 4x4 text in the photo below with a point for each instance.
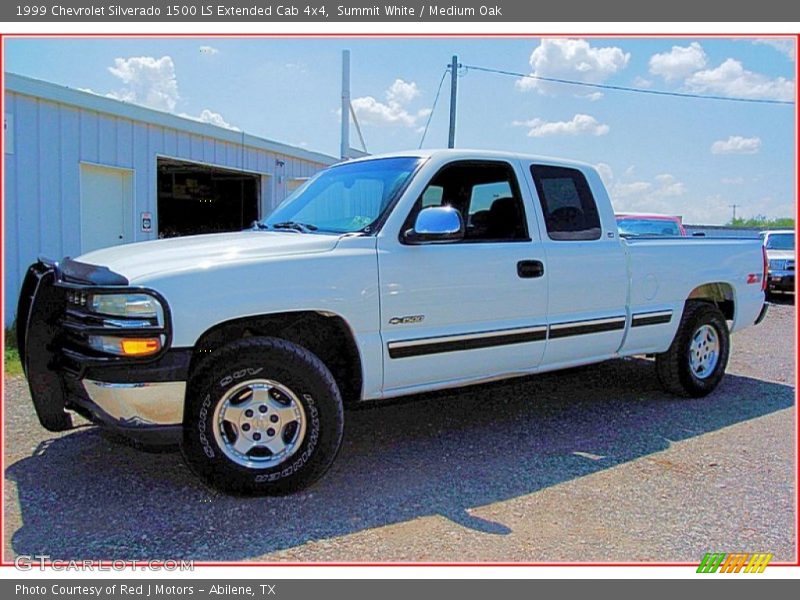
(377, 278)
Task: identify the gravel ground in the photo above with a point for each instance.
(593, 464)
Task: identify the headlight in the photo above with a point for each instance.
(140, 306)
(777, 264)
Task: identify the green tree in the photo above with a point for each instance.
(762, 222)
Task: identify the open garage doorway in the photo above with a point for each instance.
(195, 198)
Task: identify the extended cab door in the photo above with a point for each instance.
(470, 309)
(588, 281)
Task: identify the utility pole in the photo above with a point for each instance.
(451, 142)
(734, 207)
(345, 147)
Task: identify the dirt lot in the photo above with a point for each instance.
(595, 464)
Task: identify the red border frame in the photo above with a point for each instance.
(103, 563)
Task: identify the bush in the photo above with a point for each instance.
(11, 362)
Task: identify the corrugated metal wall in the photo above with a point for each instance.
(42, 174)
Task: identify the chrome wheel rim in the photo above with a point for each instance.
(704, 351)
(259, 423)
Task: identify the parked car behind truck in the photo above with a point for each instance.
(781, 259)
(377, 278)
(649, 224)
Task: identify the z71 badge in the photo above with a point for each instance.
(406, 320)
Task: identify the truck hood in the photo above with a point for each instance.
(145, 260)
(780, 254)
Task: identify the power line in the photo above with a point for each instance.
(433, 108)
(620, 88)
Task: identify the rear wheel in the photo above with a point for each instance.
(263, 416)
(695, 362)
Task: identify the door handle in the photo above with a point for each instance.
(529, 269)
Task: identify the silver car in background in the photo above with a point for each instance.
(781, 256)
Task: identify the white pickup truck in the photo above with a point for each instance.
(377, 278)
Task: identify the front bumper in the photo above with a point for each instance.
(781, 280)
(150, 413)
(141, 398)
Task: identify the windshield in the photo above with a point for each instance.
(344, 198)
(780, 241)
(637, 227)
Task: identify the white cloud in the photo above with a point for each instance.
(152, 82)
(667, 186)
(210, 50)
(732, 79)
(402, 92)
(147, 80)
(297, 66)
(783, 45)
(394, 111)
(633, 188)
(579, 124)
(662, 194)
(572, 59)
(732, 180)
(666, 194)
(679, 62)
(211, 117)
(736, 144)
(374, 112)
(592, 97)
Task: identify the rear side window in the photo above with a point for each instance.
(570, 212)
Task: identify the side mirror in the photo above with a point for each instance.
(436, 224)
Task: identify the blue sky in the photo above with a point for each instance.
(688, 157)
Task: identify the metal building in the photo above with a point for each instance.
(83, 171)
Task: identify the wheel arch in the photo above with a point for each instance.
(326, 334)
(719, 293)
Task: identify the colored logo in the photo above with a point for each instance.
(744, 562)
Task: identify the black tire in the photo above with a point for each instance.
(278, 360)
(674, 366)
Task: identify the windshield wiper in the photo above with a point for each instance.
(294, 225)
(259, 225)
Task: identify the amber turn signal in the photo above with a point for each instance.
(140, 346)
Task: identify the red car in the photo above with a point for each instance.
(649, 224)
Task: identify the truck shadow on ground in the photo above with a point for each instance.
(83, 497)
(781, 298)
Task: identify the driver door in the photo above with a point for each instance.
(469, 309)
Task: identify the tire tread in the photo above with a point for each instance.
(672, 368)
(292, 357)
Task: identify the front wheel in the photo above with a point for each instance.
(263, 417)
(695, 362)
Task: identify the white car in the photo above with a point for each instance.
(779, 245)
(378, 278)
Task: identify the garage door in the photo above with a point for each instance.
(194, 198)
(106, 202)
